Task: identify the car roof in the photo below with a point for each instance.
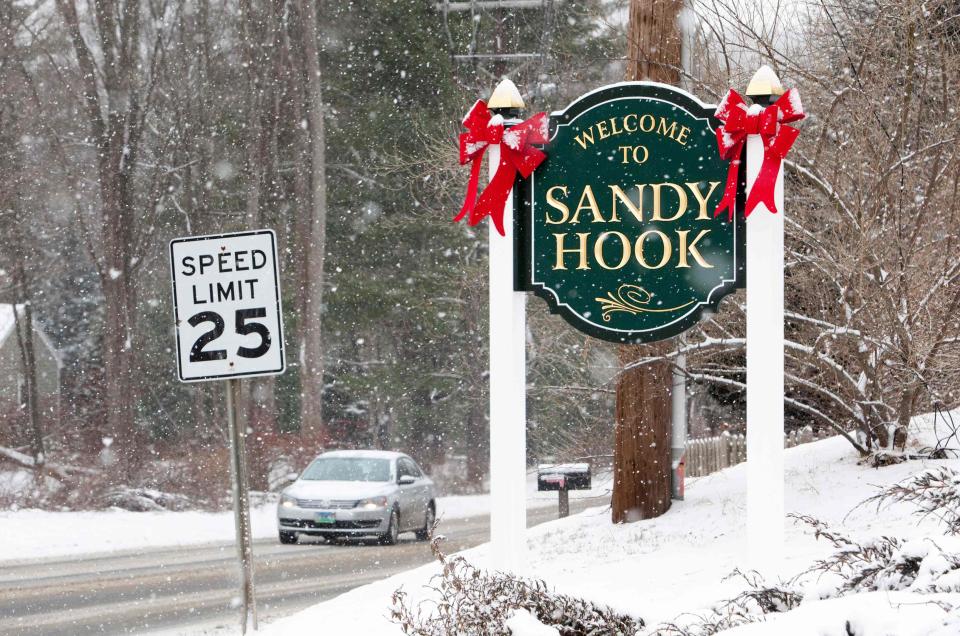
(370, 454)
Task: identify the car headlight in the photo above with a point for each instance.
(372, 503)
(287, 501)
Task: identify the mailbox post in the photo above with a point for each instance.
(563, 478)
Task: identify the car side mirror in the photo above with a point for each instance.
(292, 476)
(407, 480)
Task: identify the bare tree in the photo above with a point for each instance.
(118, 55)
(13, 189)
(873, 272)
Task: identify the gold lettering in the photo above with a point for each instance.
(649, 119)
(626, 126)
(692, 248)
(701, 198)
(587, 136)
(667, 132)
(562, 251)
(558, 205)
(634, 151)
(618, 194)
(624, 250)
(681, 194)
(601, 127)
(641, 257)
(681, 138)
(613, 127)
(591, 204)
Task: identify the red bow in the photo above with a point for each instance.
(770, 124)
(516, 155)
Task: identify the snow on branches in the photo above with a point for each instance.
(934, 492)
(872, 290)
(479, 603)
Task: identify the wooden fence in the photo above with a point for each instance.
(709, 454)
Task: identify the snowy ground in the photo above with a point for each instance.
(32, 534)
(676, 564)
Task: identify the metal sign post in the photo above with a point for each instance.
(678, 436)
(241, 510)
(229, 324)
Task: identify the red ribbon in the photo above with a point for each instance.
(770, 124)
(516, 155)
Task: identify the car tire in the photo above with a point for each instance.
(424, 533)
(288, 538)
(393, 529)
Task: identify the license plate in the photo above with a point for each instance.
(325, 517)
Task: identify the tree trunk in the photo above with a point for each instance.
(478, 444)
(116, 282)
(14, 225)
(114, 115)
(258, 411)
(641, 486)
(653, 41)
(117, 377)
(311, 370)
(29, 361)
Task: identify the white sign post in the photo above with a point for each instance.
(508, 378)
(226, 298)
(765, 492)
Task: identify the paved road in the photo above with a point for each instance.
(134, 593)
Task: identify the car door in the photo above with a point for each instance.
(420, 493)
(407, 496)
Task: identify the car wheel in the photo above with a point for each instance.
(393, 529)
(424, 533)
(288, 537)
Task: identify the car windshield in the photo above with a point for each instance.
(348, 469)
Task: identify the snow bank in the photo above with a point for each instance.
(872, 614)
(31, 534)
(678, 563)
(523, 623)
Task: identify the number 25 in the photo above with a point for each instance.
(242, 327)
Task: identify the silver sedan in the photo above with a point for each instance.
(358, 493)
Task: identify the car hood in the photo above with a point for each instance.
(337, 489)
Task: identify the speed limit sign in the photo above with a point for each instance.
(226, 299)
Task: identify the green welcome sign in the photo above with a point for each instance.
(615, 230)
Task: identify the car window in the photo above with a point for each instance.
(414, 469)
(348, 469)
(407, 467)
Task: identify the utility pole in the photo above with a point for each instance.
(642, 462)
(497, 63)
(311, 371)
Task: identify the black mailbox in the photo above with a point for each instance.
(563, 477)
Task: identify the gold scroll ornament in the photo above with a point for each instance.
(632, 299)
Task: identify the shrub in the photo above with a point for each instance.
(935, 492)
(473, 602)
